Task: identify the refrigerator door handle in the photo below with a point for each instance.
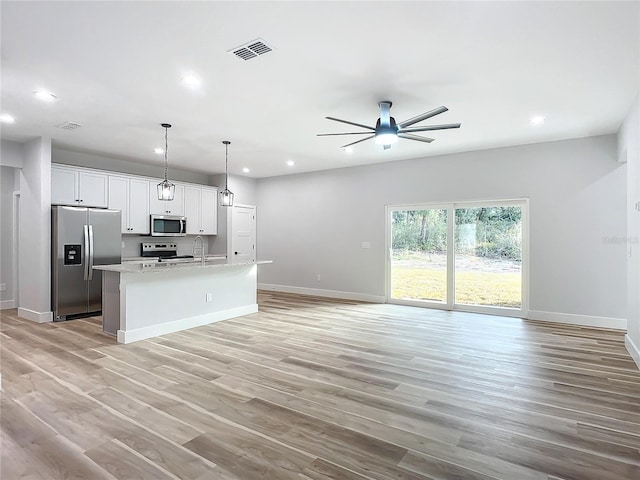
(90, 252)
(86, 252)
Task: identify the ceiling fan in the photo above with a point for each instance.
(387, 131)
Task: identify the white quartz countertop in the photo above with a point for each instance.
(158, 267)
(155, 259)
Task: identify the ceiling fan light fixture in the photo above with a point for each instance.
(166, 189)
(386, 138)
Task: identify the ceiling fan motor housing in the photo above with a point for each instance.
(386, 135)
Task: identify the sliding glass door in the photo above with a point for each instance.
(464, 256)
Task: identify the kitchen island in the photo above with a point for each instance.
(144, 300)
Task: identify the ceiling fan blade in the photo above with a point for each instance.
(386, 147)
(385, 114)
(350, 133)
(424, 116)
(350, 123)
(408, 136)
(429, 128)
(358, 141)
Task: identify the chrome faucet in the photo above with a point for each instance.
(195, 242)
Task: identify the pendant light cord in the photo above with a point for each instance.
(226, 166)
(166, 151)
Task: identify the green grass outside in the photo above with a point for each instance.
(501, 289)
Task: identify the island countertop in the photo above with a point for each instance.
(160, 267)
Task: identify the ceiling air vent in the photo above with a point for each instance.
(251, 50)
(69, 125)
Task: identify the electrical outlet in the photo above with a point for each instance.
(317, 278)
(3, 287)
(366, 244)
(209, 297)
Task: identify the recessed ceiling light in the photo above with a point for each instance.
(245, 170)
(190, 80)
(158, 151)
(291, 163)
(348, 149)
(537, 120)
(6, 118)
(44, 95)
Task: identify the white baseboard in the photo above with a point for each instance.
(128, 336)
(7, 304)
(364, 297)
(38, 317)
(584, 320)
(633, 349)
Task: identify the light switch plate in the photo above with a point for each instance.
(366, 244)
(3, 287)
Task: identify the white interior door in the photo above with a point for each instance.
(243, 234)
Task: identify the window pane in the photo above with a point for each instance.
(488, 256)
(419, 259)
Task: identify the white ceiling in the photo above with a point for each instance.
(116, 68)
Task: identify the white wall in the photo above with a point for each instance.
(100, 162)
(35, 231)
(629, 151)
(7, 186)
(11, 154)
(314, 224)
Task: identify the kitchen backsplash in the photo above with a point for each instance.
(131, 244)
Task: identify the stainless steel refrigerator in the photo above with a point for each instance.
(81, 238)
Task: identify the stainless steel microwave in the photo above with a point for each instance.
(168, 226)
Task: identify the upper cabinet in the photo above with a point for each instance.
(164, 207)
(72, 186)
(136, 197)
(131, 196)
(201, 210)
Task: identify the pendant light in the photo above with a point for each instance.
(226, 196)
(166, 189)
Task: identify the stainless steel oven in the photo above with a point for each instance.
(168, 226)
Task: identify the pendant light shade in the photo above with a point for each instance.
(226, 196)
(166, 189)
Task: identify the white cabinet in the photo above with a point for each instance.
(64, 186)
(201, 210)
(131, 196)
(163, 207)
(72, 186)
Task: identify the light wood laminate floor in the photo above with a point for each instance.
(319, 389)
